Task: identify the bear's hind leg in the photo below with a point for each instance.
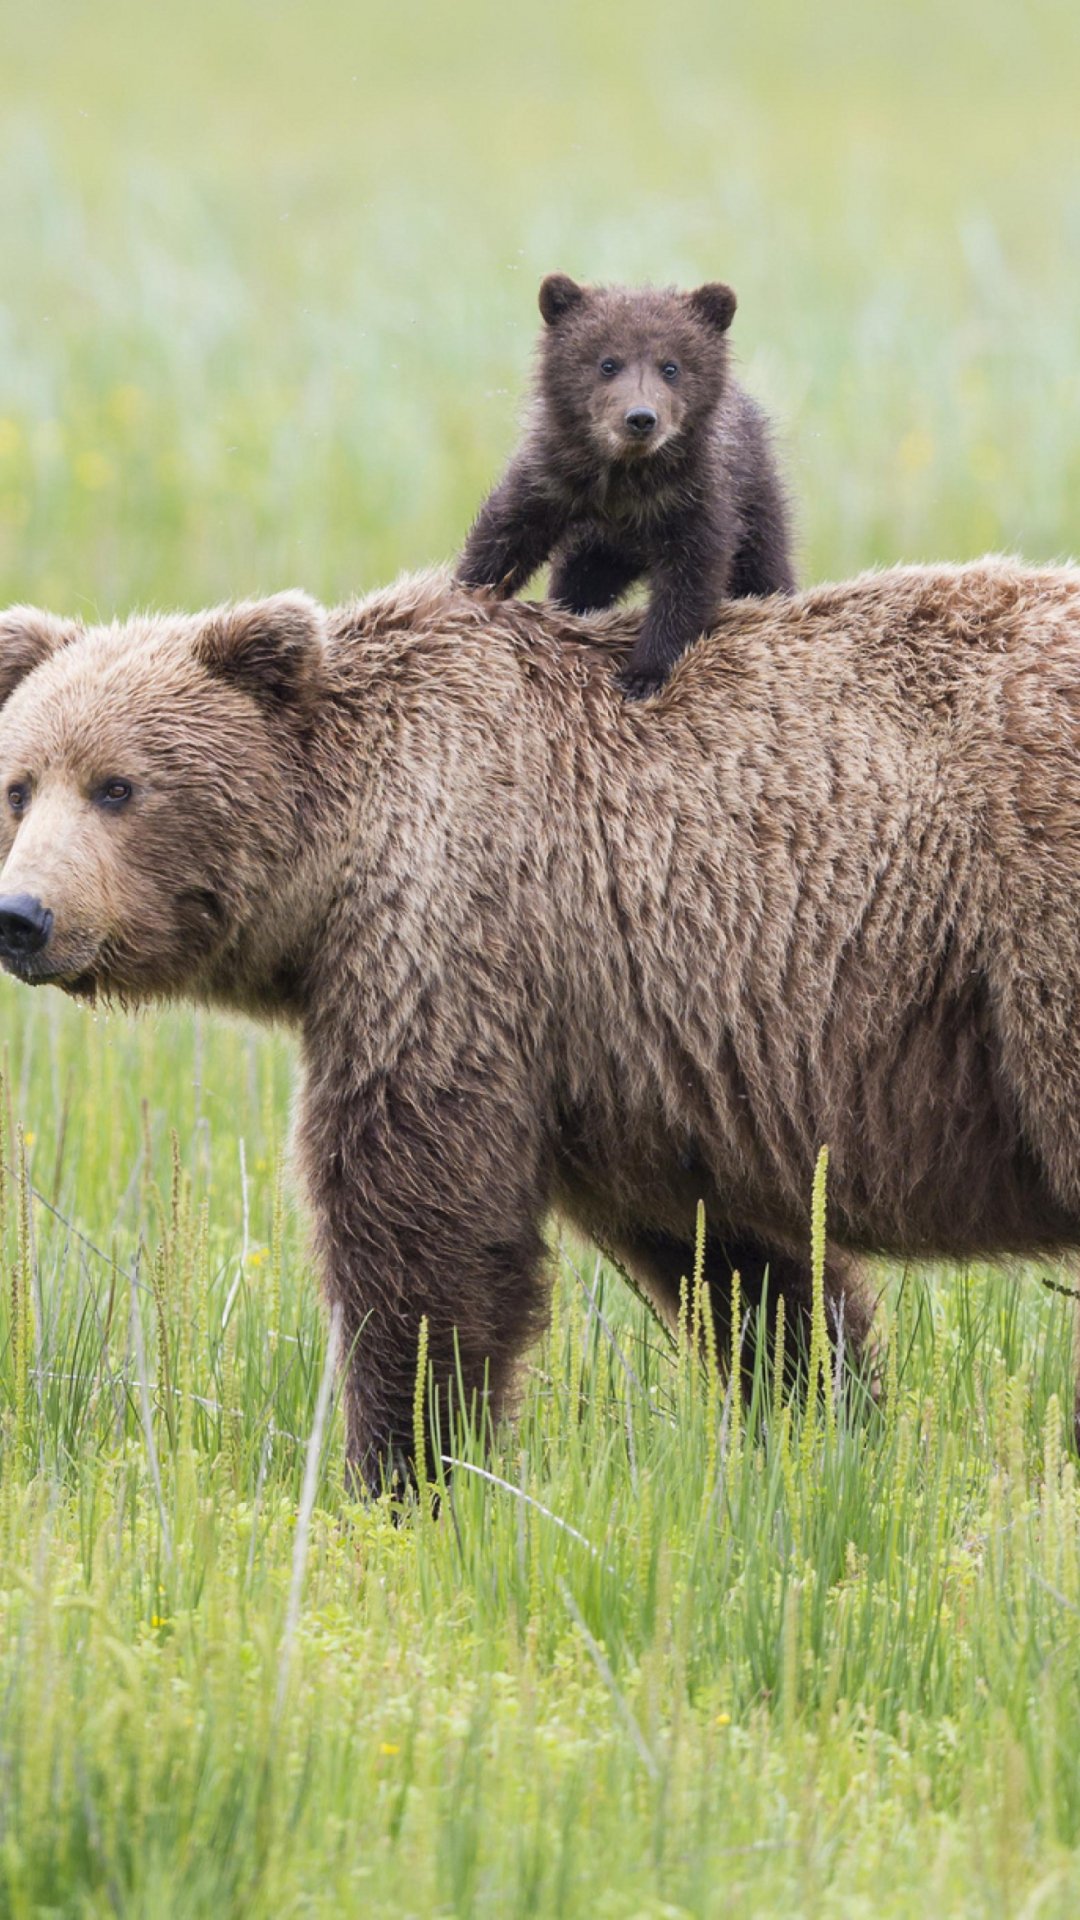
(590, 575)
(762, 562)
(660, 1261)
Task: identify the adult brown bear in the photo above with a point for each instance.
(547, 949)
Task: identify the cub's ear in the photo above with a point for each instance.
(558, 294)
(27, 637)
(715, 304)
(272, 649)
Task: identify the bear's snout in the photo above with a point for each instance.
(25, 926)
(641, 421)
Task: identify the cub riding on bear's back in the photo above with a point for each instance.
(643, 457)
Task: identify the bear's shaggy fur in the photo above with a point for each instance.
(643, 457)
(544, 948)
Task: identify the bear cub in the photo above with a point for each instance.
(643, 457)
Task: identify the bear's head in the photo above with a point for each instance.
(632, 370)
(151, 797)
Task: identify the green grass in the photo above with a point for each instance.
(675, 1657)
(266, 300)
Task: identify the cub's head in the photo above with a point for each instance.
(630, 370)
(150, 796)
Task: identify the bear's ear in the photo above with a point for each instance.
(558, 294)
(715, 304)
(27, 637)
(271, 649)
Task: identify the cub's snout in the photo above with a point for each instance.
(641, 421)
(634, 409)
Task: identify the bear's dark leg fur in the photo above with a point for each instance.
(591, 575)
(661, 1260)
(685, 593)
(513, 533)
(466, 1375)
(426, 1206)
(428, 1270)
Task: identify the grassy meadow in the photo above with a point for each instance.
(267, 296)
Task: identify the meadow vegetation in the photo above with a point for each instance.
(266, 301)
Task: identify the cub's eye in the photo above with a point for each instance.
(609, 367)
(670, 370)
(19, 797)
(113, 794)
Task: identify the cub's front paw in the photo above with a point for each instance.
(639, 683)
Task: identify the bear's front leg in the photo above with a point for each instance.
(679, 613)
(428, 1206)
(686, 588)
(512, 535)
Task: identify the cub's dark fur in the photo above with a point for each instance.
(644, 457)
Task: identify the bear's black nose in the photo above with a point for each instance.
(25, 925)
(641, 421)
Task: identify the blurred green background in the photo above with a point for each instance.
(268, 272)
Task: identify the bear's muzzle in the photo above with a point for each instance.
(25, 926)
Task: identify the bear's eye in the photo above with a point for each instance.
(19, 797)
(670, 370)
(609, 367)
(113, 794)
